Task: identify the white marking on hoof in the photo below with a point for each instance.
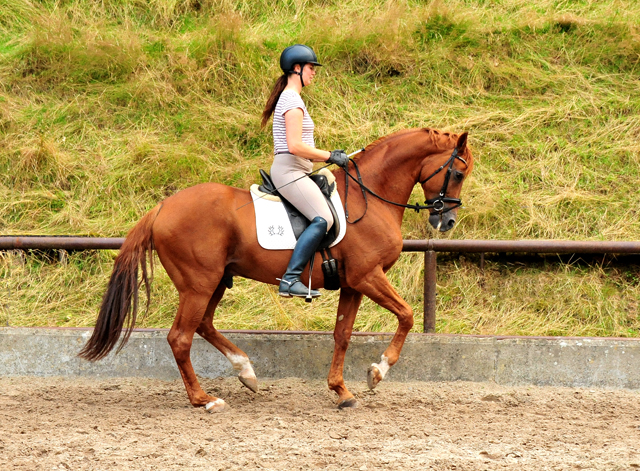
(216, 406)
(242, 364)
(247, 376)
(382, 367)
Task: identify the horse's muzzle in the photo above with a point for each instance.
(445, 224)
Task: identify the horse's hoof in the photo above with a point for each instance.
(351, 402)
(216, 406)
(373, 377)
(250, 382)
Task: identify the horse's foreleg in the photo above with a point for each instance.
(347, 310)
(378, 289)
(190, 313)
(237, 357)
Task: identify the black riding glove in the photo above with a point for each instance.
(338, 157)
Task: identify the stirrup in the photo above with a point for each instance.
(303, 293)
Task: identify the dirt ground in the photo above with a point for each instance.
(141, 424)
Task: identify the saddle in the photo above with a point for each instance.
(299, 223)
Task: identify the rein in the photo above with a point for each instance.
(437, 204)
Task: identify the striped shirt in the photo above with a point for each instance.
(289, 100)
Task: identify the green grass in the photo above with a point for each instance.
(108, 107)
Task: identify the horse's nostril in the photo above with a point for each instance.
(451, 222)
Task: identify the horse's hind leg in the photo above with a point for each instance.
(376, 287)
(237, 357)
(190, 313)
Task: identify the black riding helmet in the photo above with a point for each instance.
(297, 54)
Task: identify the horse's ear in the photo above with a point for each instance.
(462, 143)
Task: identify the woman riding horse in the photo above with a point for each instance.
(294, 150)
(205, 235)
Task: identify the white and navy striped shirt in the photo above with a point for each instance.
(289, 99)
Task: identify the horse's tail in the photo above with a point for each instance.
(120, 302)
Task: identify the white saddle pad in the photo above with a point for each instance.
(272, 222)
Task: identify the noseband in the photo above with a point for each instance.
(437, 204)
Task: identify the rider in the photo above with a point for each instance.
(295, 151)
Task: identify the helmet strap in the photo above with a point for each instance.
(300, 74)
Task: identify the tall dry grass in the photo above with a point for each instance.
(108, 107)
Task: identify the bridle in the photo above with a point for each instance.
(438, 204)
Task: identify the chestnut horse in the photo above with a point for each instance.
(206, 234)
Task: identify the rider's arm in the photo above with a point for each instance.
(293, 126)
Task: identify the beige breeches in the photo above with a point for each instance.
(303, 194)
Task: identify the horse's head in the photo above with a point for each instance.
(441, 177)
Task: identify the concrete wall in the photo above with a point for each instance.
(578, 362)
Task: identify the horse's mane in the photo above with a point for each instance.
(434, 135)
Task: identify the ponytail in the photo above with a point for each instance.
(270, 107)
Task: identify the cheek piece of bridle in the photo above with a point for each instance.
(437, 205)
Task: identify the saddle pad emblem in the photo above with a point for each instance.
(274, 228)
(273, 231)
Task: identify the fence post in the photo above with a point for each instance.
(430, 261)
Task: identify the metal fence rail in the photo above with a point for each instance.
(429, 247)
(521, 246)
(59, 243)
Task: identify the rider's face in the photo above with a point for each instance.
(308, 73)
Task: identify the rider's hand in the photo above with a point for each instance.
(338, 157)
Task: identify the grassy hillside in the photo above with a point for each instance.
(108, 107)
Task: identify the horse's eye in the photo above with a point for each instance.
(459, 176)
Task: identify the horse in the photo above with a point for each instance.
(206, 234)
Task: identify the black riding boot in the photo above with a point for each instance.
(290, 285)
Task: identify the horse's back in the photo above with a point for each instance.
(195, 202)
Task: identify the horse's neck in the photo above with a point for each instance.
(393, 170)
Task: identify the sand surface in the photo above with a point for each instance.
(142, 424)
